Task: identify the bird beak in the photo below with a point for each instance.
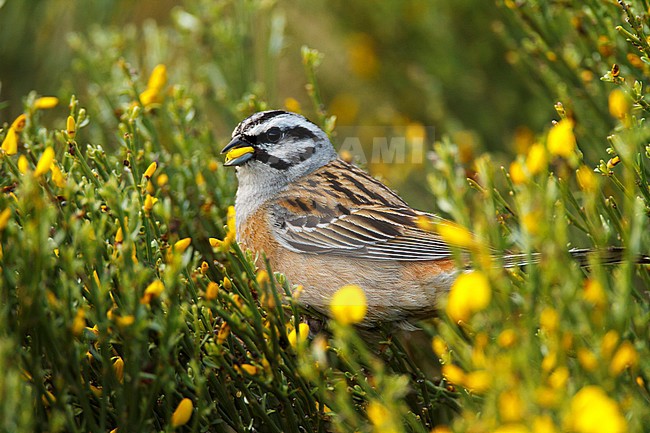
(238, 151)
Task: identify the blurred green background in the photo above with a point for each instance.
(433, 63)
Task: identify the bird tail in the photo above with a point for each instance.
(605, 256)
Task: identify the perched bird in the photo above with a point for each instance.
(325, 223)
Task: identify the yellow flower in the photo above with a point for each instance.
(469, 294)
(507, 338)
(291, 104)
(183, 413)
(224, 245)
(46, 102)
(613, 162)
(425, 223)
(47, 398)
(230, 218)
(536, 159)
(44, 162)
(349, 305)
(262, 277)
(162, 179)
(548, 319)
(455, 234)
(4, 218)
(153, 290)
(478, 381)
(79, 322)
(511, 407)
(298, 336)
(157, 80)
(549, 361)
(592, 411)
(158, 77)
(441, 429)
(587, 359)
(182, 245)
(118, 368)
(543, 424)
(19, 124)
(71, 127)
(530, 221)
(454, 374)
(223, 333)
(119, 236)
(619, 104)
(560, 140)
(94, 329)
(149, 201)
(610, 340)
(134, 256)
(559, 377)
(381, 418)
(249, 369)
(517, 173)
(594, 293)
(416, 131)
(211, 291)
(439, 346)
(640, 382)
(227, 284)
(97, 391)
(10, 143)
(150, 97)
(57, 176)
(124, 321)
(625, 357)
(586, 178)
(23, 164)
(148, 173)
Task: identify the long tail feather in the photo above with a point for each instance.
(606, 256)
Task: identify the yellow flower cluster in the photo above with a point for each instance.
(10, 142)
(535, 163)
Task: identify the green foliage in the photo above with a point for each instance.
(116, 304)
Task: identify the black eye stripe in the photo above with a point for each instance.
(273, 161)
(295, 132)
(299, 132)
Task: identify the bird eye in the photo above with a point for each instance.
(274, 134)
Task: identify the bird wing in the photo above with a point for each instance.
(340, 209)
(370, 232)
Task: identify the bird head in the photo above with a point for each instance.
(278, 144)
